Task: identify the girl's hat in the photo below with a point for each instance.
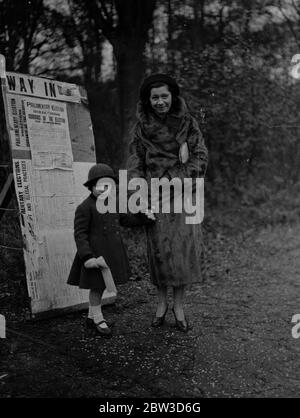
(98, 171)
(155, 78)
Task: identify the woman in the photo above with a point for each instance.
(167, 142)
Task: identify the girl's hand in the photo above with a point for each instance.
(101, 262)
(91, 263)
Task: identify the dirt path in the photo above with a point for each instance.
(240, 345)
(244, 321)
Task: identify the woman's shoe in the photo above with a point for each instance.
(181, 325)
(159, 320)
(105, 332)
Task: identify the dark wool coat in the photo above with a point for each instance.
(175, 249)
(97, 235)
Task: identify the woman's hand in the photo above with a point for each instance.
(146, 211)
(149, 214)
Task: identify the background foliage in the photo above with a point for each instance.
(231, 59)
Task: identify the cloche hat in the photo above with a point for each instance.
(98, 171)
(155, 78)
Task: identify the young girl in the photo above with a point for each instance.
(99, 245)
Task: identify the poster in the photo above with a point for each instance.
(23, 187)
(48, 134)
(17, 123)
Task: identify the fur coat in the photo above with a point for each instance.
(175, 248)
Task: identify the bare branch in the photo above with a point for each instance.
(289, 23)
(56, 71)
(297, 8)
(105, 14)
(100, 19)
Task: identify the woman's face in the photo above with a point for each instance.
(160, 100)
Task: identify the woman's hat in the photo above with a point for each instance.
(155, 78)
(98, 171)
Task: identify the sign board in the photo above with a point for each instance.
(52, 149)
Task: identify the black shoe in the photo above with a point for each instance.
(105, 332)
(159, 320)
(90, 324)
(181, 325)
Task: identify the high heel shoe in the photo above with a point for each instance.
(181, 325)
(159, 320)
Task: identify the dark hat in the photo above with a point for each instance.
(98, 171)
(155, 78)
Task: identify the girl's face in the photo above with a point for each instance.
(160, 100)
(103, 187)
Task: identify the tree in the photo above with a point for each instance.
(125, 25)
(19, 21)
(230, 60)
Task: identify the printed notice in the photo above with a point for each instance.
(17, 122)
(23, 188)
(49, 136)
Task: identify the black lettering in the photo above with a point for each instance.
(21, 202)
(52, 89)
(22, 85)
(19, 181)
(11, 82)
(30, 85)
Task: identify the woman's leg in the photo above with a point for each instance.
(162, 293)
(178, 293)
(95, 297)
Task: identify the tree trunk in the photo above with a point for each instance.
(197, 30)
(125, 25)
(131, 67)
(171, 57)
(129, 40)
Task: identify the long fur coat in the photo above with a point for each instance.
(175, 248)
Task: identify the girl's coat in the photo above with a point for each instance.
(97, 235)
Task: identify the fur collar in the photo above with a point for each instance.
(174, 125)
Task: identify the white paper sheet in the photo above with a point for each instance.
(48, 133)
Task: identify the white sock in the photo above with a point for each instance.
(97, 315)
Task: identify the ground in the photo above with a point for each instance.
(241, 343)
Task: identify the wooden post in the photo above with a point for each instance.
(5, 194)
